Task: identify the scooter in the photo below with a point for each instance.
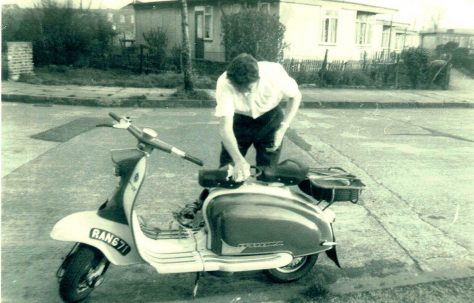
(261, 224)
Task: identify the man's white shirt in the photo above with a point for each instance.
(273, 85)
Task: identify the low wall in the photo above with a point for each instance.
(19, 59)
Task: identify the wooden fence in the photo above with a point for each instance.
(294, 66)
(380, 71)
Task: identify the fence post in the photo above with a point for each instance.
(141, 58)
(322, 71)
(397, 69)
(364, 66)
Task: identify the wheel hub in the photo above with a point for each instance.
(294, 265)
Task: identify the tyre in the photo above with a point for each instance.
(293, 271)
(80, 275)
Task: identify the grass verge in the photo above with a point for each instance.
(63, 75)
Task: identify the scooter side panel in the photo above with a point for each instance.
(258, 219)
(114, 240)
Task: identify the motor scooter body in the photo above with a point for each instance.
(260, 218)
(256, 226)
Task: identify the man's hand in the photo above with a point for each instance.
(241, 171)
(279, 134)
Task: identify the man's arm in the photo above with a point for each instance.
(226, 131)
(291, 109)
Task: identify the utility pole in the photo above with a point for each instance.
(186, 53)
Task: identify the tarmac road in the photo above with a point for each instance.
(413, 224)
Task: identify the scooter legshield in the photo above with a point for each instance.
(113, 239)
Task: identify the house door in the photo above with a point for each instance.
(199, 35)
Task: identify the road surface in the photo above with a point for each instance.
(413, 223)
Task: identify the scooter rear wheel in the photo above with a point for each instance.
(76, 283)
(298, 268)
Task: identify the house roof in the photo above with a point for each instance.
(460, 31)
(359, 6)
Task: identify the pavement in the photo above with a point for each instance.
(460, 95)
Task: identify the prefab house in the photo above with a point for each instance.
(345, 29)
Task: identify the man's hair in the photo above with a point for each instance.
(243, 70)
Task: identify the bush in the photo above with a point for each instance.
(460, 56)
(252, 32)
(174, 59)
(356, 78)
(156, 41)
(416, 63)
(303, 77)
(462, 60)
(60, 34)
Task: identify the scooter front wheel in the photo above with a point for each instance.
(82, 272)
(295, 270)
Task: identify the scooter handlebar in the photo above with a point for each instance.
(115, 116)
(194, 160)
(155, 142)
(173, 150)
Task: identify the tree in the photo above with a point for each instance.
(187, 67)
(250, 31)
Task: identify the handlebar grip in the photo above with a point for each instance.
(104, 125)
(115, 116)
(194, 160)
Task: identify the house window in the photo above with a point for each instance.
(363, 28)
(122, 19)
(208, 22)
(205, 27)
(132, 19)
(385, 36)
(399, 41)
(264, 7)
(329, 27)
(110, 17)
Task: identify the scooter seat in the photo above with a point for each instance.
(288, 172)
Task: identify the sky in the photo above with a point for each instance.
(420, 13)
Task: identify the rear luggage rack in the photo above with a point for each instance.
(332, 184)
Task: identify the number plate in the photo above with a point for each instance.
(109, 238)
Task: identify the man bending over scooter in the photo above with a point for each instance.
(248, 97)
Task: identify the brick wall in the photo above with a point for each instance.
(19, 59)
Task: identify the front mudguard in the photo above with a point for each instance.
(113, 239)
